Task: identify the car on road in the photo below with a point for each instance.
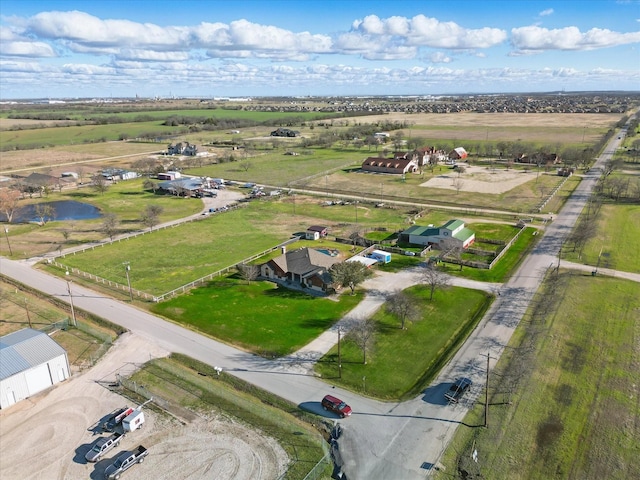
(458, 389)
(336, 406)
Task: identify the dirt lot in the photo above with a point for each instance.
(480, 179)
(47, 436)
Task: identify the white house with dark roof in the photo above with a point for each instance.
(30, 362)
(450, 235)
(305, 267)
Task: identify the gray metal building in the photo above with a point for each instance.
(30, 361)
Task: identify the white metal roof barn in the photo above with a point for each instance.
(30, 361)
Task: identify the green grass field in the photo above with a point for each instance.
(69, 135)
(257, 316)
(402, 362)
(574, 412)
(617, 238)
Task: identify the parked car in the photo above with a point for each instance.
(102, 446)
(124, 462)
(336, 406)
(458, 389)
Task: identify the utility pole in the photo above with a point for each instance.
(486, 393)
(127, 267)
(73, 311)
(26, 307)
(339, 355)
(6, 234)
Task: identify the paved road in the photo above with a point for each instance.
(381, 440)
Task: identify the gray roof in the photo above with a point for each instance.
(25, 349)
(305, 261)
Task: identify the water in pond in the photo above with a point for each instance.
(63, 210)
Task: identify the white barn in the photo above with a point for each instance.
(30, 362)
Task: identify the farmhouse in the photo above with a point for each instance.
(30, 362)
(398, 166)
(452, 234)
(305, 267)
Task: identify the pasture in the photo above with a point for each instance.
(564, 399)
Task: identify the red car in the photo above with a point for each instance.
(336, 406)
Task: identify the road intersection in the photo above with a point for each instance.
(380, 440)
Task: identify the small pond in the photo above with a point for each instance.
(63, 210)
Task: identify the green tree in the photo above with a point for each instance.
(349, 274)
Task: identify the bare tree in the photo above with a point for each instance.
(458, 183)
(362, 333)
(100, 184)
(110, 225)
(151, 216)
(44, 213)
(248, 271)
(403, 307)
(180, 188)
(456, 252)
(81, 172)
(434, 279)
(9, 199)
(245, 164)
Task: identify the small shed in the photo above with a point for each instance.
(30, 362)
(381, 256)
(315, 232)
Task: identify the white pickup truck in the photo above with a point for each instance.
(102, 446)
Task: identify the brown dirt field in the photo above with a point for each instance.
(47, 436)
(508, 127)
(60, 158)
(480, 120)
(8, 123)
(480, 179)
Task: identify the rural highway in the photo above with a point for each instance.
(380, 441)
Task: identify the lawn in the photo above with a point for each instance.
(402, 362)
(258, 316)
(572, 411)
(615, 242)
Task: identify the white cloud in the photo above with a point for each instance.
(546, 13)
(534, 38)
(439, 57)
(83, 29)
(430, 32)
(152, 55)
(27, 49)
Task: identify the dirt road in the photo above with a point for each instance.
(47, 436)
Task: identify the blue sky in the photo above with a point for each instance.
(113, 48)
